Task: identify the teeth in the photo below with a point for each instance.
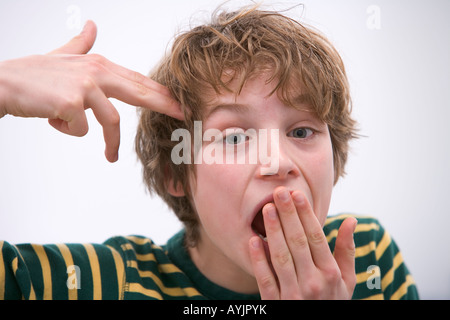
(261, 236)
(258, 225)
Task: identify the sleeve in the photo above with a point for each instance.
(60, 272)
(396, 281)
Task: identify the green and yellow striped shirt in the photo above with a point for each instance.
(134, 267)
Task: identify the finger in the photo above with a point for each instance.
(81, 43)
(134, 88)
(318, 244)
(135, 77)
(140, 95)
(107, 115)
(294, 233)
(74, 124)
(344, 252)
(280, 255)
(265, 279)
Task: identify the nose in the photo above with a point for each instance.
(279, 164)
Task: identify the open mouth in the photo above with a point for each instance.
(258, 225)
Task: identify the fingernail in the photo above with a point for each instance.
(255, 243)
(298, 197)
(355, 224)
(271, 212)
(283, 195)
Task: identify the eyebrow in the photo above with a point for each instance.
(298, 100)
(232, 107)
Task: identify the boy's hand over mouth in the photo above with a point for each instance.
(301, 264)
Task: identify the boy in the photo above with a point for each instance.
(253, 229)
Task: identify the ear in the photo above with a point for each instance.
(174, 190)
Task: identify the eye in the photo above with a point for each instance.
(235, 138)
(301, 133)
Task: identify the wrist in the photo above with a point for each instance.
(3, 90)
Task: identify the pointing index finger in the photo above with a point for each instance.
(136, 89)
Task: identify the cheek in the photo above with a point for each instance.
(325, 165)
(321, 180)
(218, 187)
(218, 178)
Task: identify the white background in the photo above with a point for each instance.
(57, 188)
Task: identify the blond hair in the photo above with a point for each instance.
(241, 44)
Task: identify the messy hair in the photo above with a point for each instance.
(238, 46)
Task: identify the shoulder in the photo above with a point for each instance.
(369, 233)
(380, 269)
(367, 225)
(149, 271)
(137, 249)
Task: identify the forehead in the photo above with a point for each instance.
(254, 94)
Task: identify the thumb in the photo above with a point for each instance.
(344, 252)
(80, 44)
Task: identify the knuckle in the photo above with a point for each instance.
(332, 275)
(351, 252)
(70, 109)
(88, 84)
(316, 237)
(114, 118)
(94, 64)
(98, 59)
(267, 282)
(142, 91)
(68, 104)
(313, 289)
(137, 77)
(282, 258)
(299, 241)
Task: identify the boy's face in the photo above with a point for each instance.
(228, 197)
